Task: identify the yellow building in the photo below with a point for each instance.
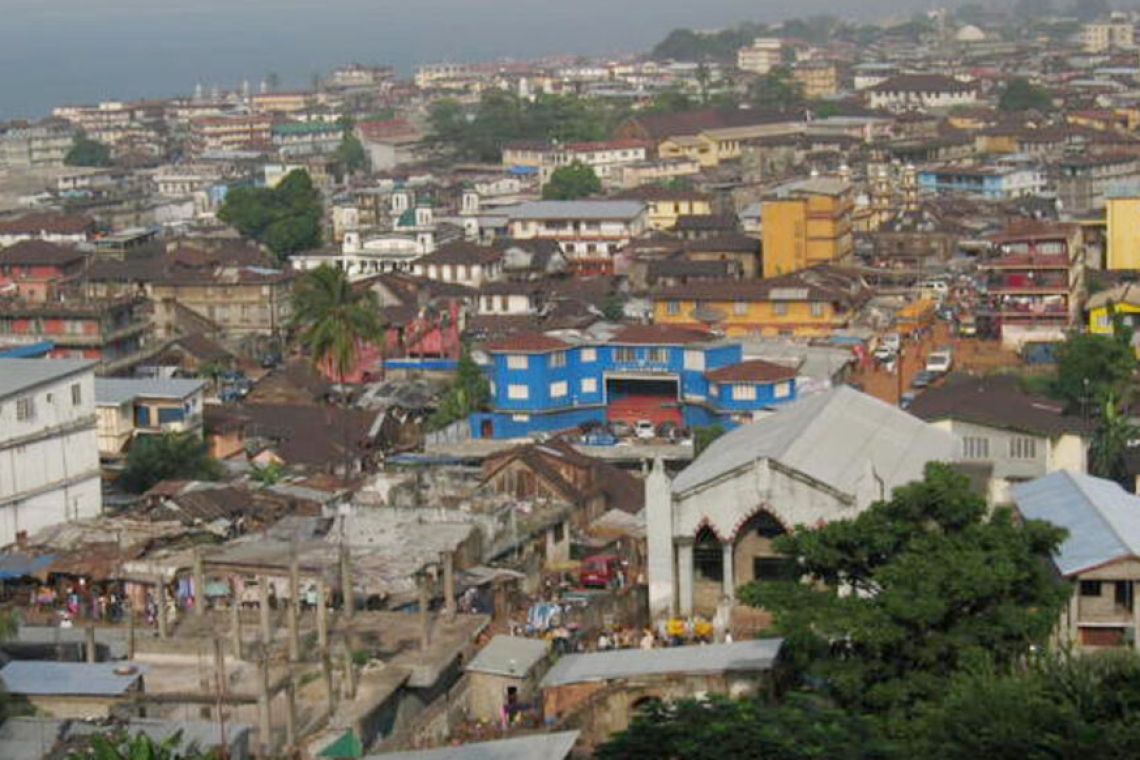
(713, 146)
(665, 205)
(814, 302)
(805, 223)
(1124, 301)
(1122, 212)
(819, 79)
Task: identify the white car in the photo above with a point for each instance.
(644, 429)
(939, 362)
(884, 354)
(892, 341)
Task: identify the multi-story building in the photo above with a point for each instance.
(49, 459)
(442, 76)
(992, 182)
(666, 205)
(656, 373)
(1083, 181)
(68, 229)
(231, 302)
(657, 171)
(462, 263)
(819, 79)
(306, 138)
(763, 55)
(813, 302)
(32, 269)
(35, 146)
(231, 133)
(805, 223)
(1034, 282)
(1122, 212)
(590, 233)
(130, 407)
(114, 332)
(1112, 35)
(908, 92)
(605, 158)
(282, 102)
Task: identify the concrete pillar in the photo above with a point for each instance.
(264, 716)
(1074, 616)
(162, 632)
(291, 712)
(263, 610)
(425, 615)
(326, 671)
(294, 607)
(235, 627)
(346, 582)
(685, 576)
(89, 646)
(199, 584)
(449, 601)
(660, 566)
(349, 675)
(1136, 615)
(729, 572)
(220, 674)
(322, 618)
(131, 633)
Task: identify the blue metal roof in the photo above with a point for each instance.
(30, 351)
(46, 678)
(17, 565)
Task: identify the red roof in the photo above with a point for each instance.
(661, 334)
(754, 371)
(527, 342)
(60, 224)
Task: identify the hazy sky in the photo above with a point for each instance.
(54, 51)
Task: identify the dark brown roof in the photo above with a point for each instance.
(529, 342)
(730, 243)
(821, 283)
(923, 83)
(461, 252)
(706, 222)
(650, 193)
(301, 434)
(60, 224)
(659, 126)
(40, 252)
(202, 348)
(753, 371)
(996, 401)
(660, 334)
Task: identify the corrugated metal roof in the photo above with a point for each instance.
(18, 375)
(545, 746)
(508, 656)
(831, 437)
(1103, 520)
(120, 390)
(538, 210)
(41, 677)
(757, 654)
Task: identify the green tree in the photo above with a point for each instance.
(336, 319)
(286, 218)
(903, 596)
(350, 156)
(704, 435)
(613, 308)
(1091, 368)
(469, 392)
(571, 182)
(87, 152)
(776, 91)
(170, 456)
(1114, 432)
(120, 745)
(671, 100)
(1023, 95)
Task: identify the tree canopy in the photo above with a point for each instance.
(335, 318)
(286, 218)
(170, 456)
(932, 559)
(1092, 368)
(720, 46)
(776, 91)
(87, 152)
(1023, 95)
(571, 182)
(469, 392)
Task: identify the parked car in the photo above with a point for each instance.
(884, 354)
(939, 362)
(644, 429)
(922, 379)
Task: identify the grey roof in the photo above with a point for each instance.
(578, 210)
(535, 747)
(1103, 520)
(42, 677)
(508, 656)
(26, 738)
(119, 390)
(19, 375)
(831, 437)
(753, 655)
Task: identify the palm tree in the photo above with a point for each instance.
(336, 321)
(1114, 433)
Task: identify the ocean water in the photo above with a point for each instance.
(56, 52)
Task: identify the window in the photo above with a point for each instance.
(589, 355)
(817, 308)
(518, 392)
(76, 394)
(625, 355)
(520, 418)
(1102, 321)
(672, 308)
(740, 308)
(517, 361)
(504, 303)
(558, 359)
(780, 309)
(166, 416)
(25, 409)
(976, 448)
(659, 355)
(558, 389)
(783, 390)
(744, 393)
(1123, 594)
(589, 385)
(695, 360)
(1023, 448)
(1090, 588)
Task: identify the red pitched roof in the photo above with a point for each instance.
(661, 334)
(60, 224)
(754, 371)
(531, 342)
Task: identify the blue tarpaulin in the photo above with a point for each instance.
(17, 565)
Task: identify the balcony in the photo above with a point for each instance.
(1029, 284)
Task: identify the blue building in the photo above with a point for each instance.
(659, 373)
(993, 182)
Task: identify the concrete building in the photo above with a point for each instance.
(33, 269)
(590, 233)
(1019, 436)
(49, 458)
(129, 407)
(824, 458)
(1122, 212)
(504, 674)
(908, 92)
(35, 146)
(231, 133)
(819, 79)
(112, 331)
(763, 55)
(64, 229)
(807, 222)
(1111, 35)
(79, 690)
(999, 182)
(227, 301)
(1100, 554)
(1083, 181)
